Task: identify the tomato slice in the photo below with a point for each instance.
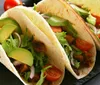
(53, 74)
(97, 19)
(11, 3)
(83, 45)
(98, 36)
(56, 29)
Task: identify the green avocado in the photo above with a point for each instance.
(22, 55)
(6, 31)
(80, 11)
(8, 20)
(66, 25)
(56, 21)
(90, 19)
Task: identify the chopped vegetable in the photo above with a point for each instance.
(11, 3)
(97, 19)
(76, 64)
(61, 37)
(83, 45)
(73, 61)
(42, 77)
(76, 50)
(27, 75)
(70, 29)
(52, 74)
(56, 29)
(10, 44)
(56, 21)
(90, 19)
(39, 61)
(32, 73)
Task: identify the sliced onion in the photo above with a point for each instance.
(72, 59)
(92, 27)
(45, 16)
(19, 38)
(16, 63)
(32, 72)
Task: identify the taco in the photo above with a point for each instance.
(89, 11)
(76, 44)
(27, 52)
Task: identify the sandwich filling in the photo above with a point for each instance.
(77, 49)
(27, 54)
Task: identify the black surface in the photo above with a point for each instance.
(7, 78)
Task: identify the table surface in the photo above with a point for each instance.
(7, 78)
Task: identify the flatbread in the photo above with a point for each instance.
(25, 22)
(62, 9)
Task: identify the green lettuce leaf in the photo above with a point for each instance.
(61, 37)
(27, 75)
(10, 44)
(42, 77)
(39, 61)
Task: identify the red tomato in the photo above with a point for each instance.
(83, 45)
(53, 74)
(11, 3)
(97, 19)
(98, 36)
(56, 29)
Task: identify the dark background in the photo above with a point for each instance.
(7, 78)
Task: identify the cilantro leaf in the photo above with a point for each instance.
(39, 61)
(42, 77)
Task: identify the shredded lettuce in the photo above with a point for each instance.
(56, 21)
(27, 75)
(76, 63)
(39, 61)
(10, 44)
(90, 19)
(61, 37)
(26, 40)
(42, 77)
(76, 50)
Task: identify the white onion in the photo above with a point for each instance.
(19, 38)
(72, 60)
(45, 16)
(16, 63)
(32, 72)
(92, 27)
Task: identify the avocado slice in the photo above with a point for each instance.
(56, 21)
(90, 19)
(70, 29)
(22, 55)
(80, 11)
(8, 20)
(66, 25)
(92, 5)
(6, 31)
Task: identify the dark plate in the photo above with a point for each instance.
(8, 78)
